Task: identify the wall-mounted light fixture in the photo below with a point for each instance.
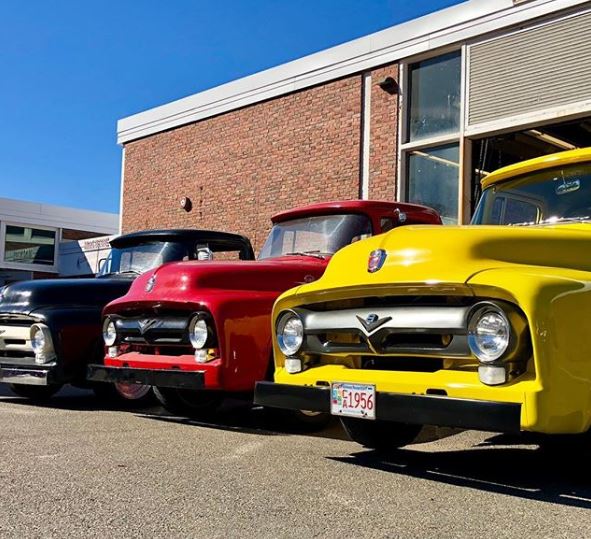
(186, 204)
(389, 84)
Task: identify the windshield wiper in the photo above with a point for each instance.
(315, 254)
(552, 220)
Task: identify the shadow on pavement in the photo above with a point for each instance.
(74, 399)
(240, 416)
(235, 415)
(555, 474)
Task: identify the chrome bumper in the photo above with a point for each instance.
(25, 376)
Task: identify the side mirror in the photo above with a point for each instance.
(204, 253)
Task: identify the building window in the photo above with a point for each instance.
(433, 179)
(435, 101)
(29, 246)
(430, 154)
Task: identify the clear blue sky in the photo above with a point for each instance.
(70, 69)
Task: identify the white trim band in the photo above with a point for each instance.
(452, 25)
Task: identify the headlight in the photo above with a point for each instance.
(489, 333)
(290, 333)
(109, 332)
(198, 332)
(38, 340)
(41, 343)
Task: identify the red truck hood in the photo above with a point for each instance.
(186, 281)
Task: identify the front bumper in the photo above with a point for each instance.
(31, 376)
(414, 409)
(173, 378)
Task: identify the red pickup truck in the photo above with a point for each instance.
(200, 331)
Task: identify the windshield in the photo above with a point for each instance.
(552, 195)
(137, 259)
(319, 235)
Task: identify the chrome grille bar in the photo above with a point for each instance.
(426, 331)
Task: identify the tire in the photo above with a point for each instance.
(301, 420)
(136, 395)
(188, 402)
(310, 420)
(383, 436)
(35, 393)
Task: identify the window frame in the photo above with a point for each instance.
(405, 148)
(29, 267)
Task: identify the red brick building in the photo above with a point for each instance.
(402, 114)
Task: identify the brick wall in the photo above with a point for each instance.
(241, 167)
(383, 137)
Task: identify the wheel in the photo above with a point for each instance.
(304, 420)
(127, 394)
(35, 393)
(310, 420)
(188, 402)
(382, 436)
(136, 395)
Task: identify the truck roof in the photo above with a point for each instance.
(351, 206)
(216, 240)
(569, 157)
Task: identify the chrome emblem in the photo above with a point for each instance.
(145, 325)
(376, 260)
(151, 284)
(371, 318)
(372, 322)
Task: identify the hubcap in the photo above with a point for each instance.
(132, 391)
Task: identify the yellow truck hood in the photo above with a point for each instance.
(435, 255)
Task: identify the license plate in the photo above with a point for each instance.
(353, 400)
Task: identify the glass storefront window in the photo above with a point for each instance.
(433, 176)
(435, 98)
(25, 245)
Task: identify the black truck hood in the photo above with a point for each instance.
(26, 297)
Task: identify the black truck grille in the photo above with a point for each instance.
(160, 331)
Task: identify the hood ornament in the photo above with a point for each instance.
(372, 322)
(150, 284)
(376, 260)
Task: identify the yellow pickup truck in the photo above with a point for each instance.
(485, 326)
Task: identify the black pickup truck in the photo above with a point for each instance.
(50, 329)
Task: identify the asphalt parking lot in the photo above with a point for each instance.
(73, 470)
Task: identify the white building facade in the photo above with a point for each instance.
(35, 238)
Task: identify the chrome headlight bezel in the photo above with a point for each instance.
(292, 320)
(496, 316)
(109, 332)
(199, 332)
(42, 343)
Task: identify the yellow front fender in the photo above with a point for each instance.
(557, 305)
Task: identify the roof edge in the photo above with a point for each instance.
(435, 30)
(568, 157)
